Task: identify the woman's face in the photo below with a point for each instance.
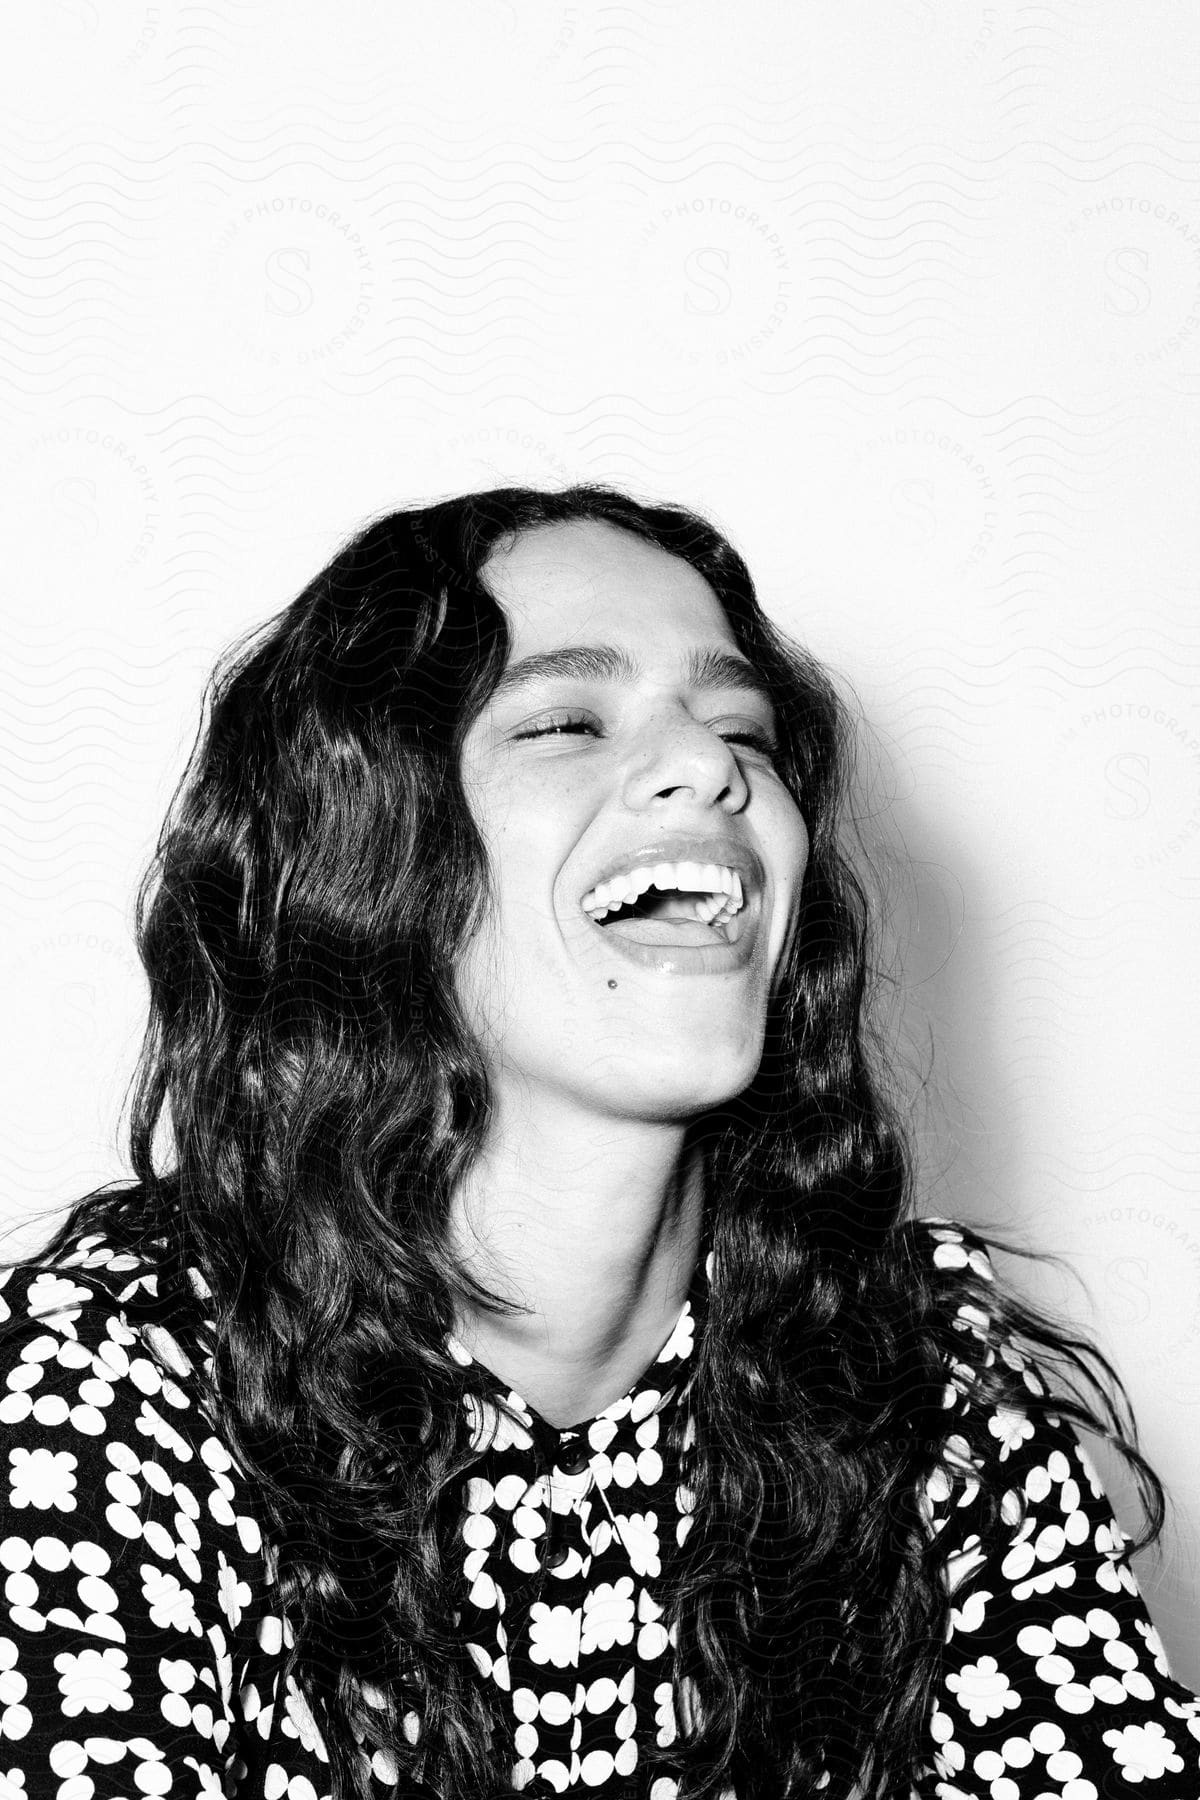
(652, 769)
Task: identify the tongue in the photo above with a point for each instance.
(664, 931)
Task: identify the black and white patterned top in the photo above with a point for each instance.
(140, 1646)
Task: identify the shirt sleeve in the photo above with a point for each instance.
(133, 1579)
(1054, 1683)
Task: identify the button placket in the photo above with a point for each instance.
(577, 1460)
(572, 1458)
(557, 1551)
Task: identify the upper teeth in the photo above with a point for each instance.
(724, 885)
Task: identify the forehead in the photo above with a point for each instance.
(569, 582)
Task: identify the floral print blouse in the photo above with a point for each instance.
(141, 1646)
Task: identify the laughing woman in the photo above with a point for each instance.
(527, 1370)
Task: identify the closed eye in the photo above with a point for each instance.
(557, 725)
(757, 740)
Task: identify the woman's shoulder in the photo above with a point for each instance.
(140, 1556)
(958, 1260)
(977, 1314)
(1002, 1430)
(88, 1358)
(98, 1403)
(95, 1291)
(950, 1244)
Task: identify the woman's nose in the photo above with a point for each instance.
(682, 752)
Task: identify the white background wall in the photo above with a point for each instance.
(904, 293)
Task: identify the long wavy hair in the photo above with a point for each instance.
(313, 888)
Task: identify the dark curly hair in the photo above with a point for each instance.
(313, 888)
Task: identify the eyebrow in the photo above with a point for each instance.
(607, 662)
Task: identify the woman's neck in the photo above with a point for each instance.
(597, 1233)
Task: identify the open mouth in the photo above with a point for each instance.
(679, 918)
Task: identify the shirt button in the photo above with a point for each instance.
(577, 1462)
(558, 1555)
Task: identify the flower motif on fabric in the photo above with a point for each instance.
(608, 1616)
(170, 1604)
(639, 1534)
(1011, 1428)
(42, 1478)
(93, 1681)
(983, 1690)
(553, 1634)
(1144, 1752)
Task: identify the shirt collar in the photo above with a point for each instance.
(502, 1419)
